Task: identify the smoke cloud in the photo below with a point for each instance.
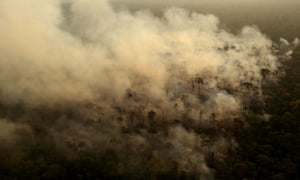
(95, 77)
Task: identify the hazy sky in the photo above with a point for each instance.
(273, 17)
(173, 2)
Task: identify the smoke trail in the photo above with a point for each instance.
(91, 76)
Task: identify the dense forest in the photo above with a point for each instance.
(269, 149)
(96, 90)
(266, 148)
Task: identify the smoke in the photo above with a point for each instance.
(95, 77)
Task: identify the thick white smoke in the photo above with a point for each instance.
(131, 69)
(88, 51)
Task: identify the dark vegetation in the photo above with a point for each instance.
(263, 140)
(269, 149)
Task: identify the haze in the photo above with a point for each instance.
(273, 17)
(96, 89)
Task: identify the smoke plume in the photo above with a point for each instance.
(91, 77)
